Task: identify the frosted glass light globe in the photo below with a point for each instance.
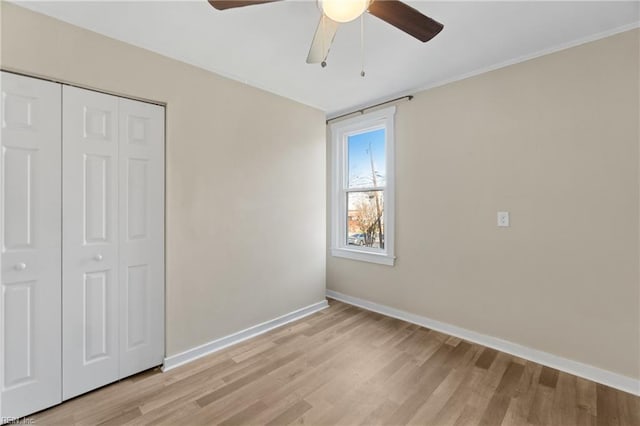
(344, 10)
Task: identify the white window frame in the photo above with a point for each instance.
(340, 132)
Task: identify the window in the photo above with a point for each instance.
(362, 179)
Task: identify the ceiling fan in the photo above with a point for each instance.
(336, 12)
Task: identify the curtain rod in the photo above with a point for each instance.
(362, 110)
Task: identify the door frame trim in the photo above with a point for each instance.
(85, 87)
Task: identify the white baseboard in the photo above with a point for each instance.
(192, 354)
(586, 371)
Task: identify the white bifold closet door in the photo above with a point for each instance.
(30, 374)
(113, 244)
(141, 230)
(90, 314)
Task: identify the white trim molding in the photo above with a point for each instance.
(192, 354)
(605, 377)
(364, 256)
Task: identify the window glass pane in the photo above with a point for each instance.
(367, 162)
(365, 224)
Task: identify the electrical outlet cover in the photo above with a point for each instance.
(503, 219)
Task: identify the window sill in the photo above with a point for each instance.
(380, 258)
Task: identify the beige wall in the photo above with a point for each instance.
(245, 177)
(554, 141)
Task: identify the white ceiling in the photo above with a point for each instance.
(266, 46)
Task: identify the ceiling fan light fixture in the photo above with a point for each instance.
(344, 10)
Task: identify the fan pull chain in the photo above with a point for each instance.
(324, 39)
(362, 45)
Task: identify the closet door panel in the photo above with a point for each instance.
(141, 160)
(90, 240)
(30, 229)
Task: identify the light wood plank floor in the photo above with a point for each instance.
(348, 366)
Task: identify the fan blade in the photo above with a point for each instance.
(322, 40)
(406, 18)
(230, 4)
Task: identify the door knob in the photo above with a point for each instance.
(20, 266)
(98, 257)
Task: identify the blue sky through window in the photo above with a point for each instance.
(362, 148)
